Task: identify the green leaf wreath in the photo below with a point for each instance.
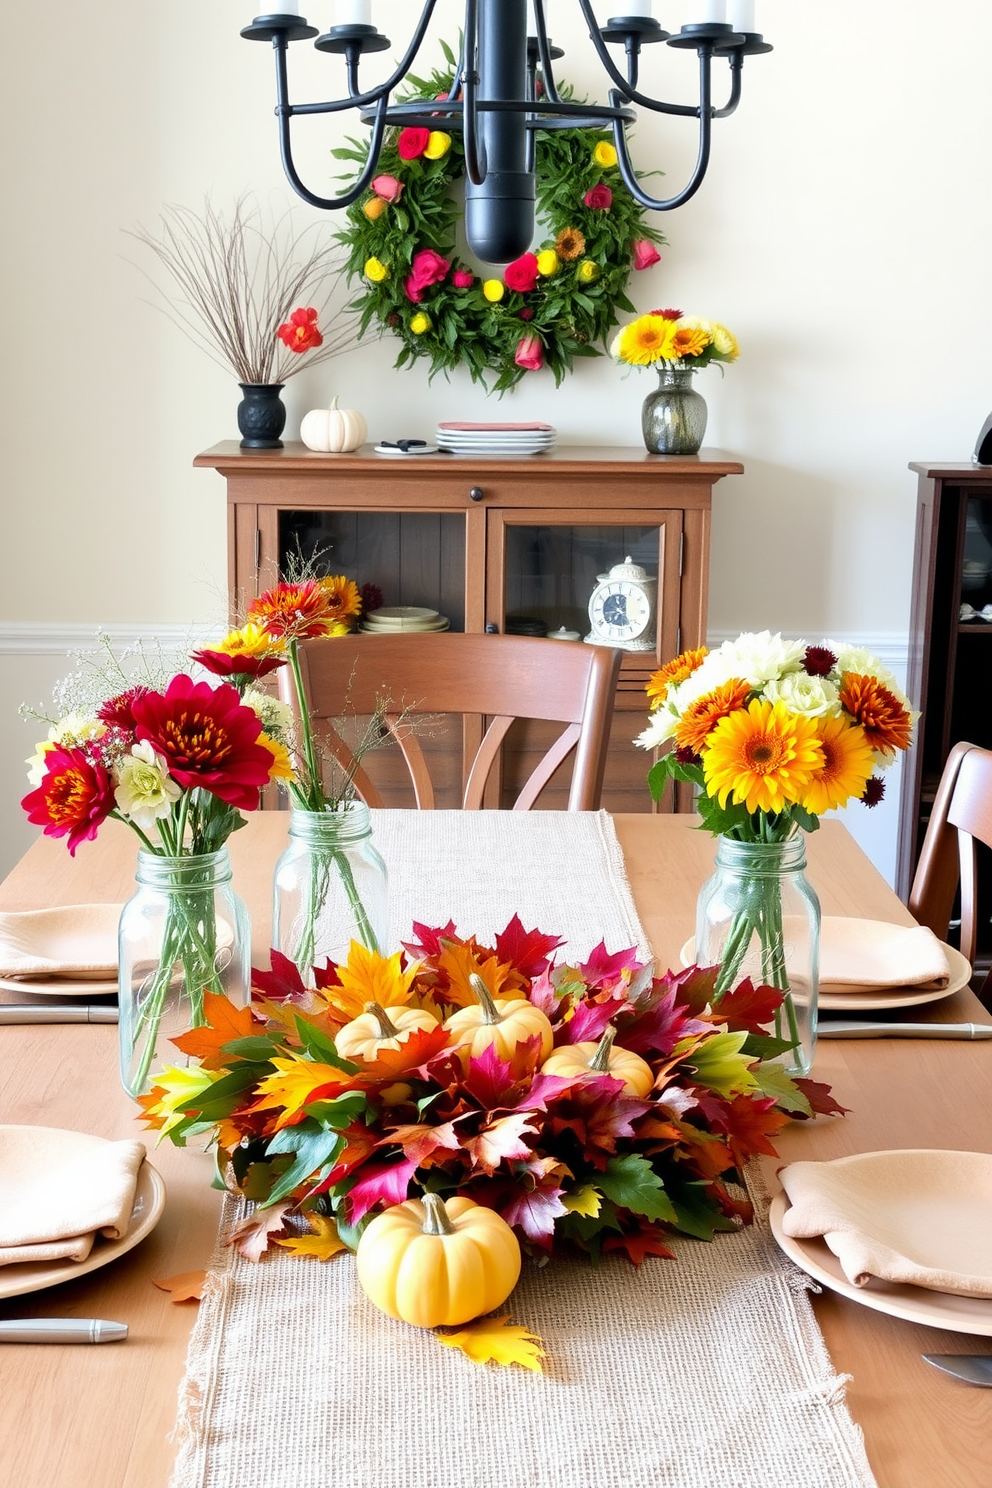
(551, 305)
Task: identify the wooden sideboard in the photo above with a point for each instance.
(489, 542)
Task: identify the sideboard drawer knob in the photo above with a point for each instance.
(476, 493)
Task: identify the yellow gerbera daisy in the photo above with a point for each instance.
(282, 765)
(250, 640)
(763, 756)
(672, 673)
(645, 341)
(343, 599)
(848, 761)
(688, 341)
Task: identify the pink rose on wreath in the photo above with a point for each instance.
(426, 269)
(645, 254)
(412, 143)
(462, 279)
(388, 188)
(530, 353)
(521, 274)
(600, 198)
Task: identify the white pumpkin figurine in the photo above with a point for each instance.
(334, 430)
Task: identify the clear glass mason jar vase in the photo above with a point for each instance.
(673, 417)
(184, 932)
(329, 888)
(759, 917)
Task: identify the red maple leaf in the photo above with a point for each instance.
(501, 1141)
(360, 1143)
(420, 1142)
(644, 1241)
(415, 1050)
(749, 1008)
(492, 1081)
(601, 968)
(590, 1021)
(528, 950)
(381, 1183)
(427, 941)
(534, 1211)
(659, 1023)
(542, 995)
(820, 1098)
(751, 1123)
(598, 1114)
(282, 982)
(695, 987)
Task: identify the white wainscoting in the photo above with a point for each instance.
(34, 657)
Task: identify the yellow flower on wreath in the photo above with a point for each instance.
(764, 756)
(438, 144)
(374, 208)
(420, 323)
(848, 764)
(494, 290)
(548, 263)
(604, 154)
(375, 270)
(588, 270)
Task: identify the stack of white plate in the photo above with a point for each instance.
(391, 619)
(496, 439)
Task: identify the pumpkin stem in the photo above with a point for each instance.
(600, 1061)
(436, 1221)
(387, 1029)
(334, 405)
(490, 1012)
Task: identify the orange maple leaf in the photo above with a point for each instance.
(459, 961)
(224, 1024)
(420, 1045)
(187, 1286)
(369, 977)
(295, 1083)
(252, 1236)
(321, 1244)
(498, 1340)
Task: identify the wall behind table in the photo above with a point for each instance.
(839, 233)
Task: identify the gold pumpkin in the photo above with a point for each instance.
(503, 1022)
(602, 1058)
(435, 1264)
(376, 1029)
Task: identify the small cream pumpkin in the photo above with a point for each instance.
(503, 1022)
(583, 1059)
(376, 1029)
(334, 430)
(435, 1264)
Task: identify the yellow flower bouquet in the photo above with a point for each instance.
(676, 345)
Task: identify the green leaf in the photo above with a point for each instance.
(322, 1048)
(314, 1150)
(773, 1081)
(695, 1212)
(633, 1184)
(765, 1046)
(256, 1047)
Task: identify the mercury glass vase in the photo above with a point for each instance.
(673, 418)
(759, 917)
(329, 888)
(185, 932)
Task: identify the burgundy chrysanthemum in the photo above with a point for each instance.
(371, 598)
(687, 756)
(237, 663)
(208, 738)
(818, 661)
(118, 712)
(874, 791)
(75, 796)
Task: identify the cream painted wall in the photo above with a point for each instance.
(843, 232)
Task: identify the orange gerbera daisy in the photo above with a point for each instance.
(686, 341)
(343, 597)
(295, 611)
(762, 755)
(848, 760)
(570, 243)
(701, 717)
(672, 673)
(887, 724)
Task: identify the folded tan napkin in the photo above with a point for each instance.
(60, 1189)
(871, 953)
(919, 1217)
(73, 940)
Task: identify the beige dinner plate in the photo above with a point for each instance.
(911, 1303)
(59, 986)
(147, 1210)
(75, 941)
(876, 999)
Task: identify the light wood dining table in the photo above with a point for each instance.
(83, 1416)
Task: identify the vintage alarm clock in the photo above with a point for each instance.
(622, 608)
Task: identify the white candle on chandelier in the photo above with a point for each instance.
(353, 13)
(706, 12)
(287, 7)
(633, 8)
(740, 14)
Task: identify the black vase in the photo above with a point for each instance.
(261, 415)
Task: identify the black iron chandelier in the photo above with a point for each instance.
(497, 104)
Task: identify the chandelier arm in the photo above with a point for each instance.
(332, 203)
(629, 175)
(544, 51)
(354, 100)
(736, 78)
(474, 147)
(625, 87)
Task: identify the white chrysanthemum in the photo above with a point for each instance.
(145, 792)
(758, 657)
(711, 674)
(859, 660)
(813, 697)
(276, 716)
(73, 729)
(661, 728)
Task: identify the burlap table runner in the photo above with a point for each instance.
(704, 1372)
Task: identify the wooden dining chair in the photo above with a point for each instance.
(948, 864)
(492, 681)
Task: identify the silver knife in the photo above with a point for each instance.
(58, 1012)
(61, 1330)
(974, 1369)
(855, 1029)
